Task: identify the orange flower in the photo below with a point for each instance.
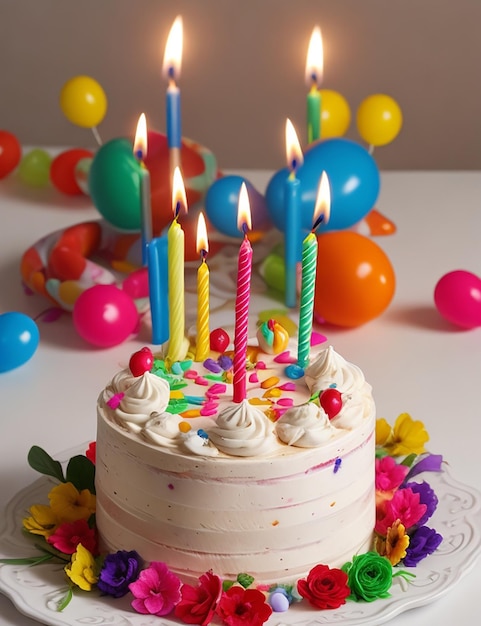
(394, 545)
(69, 504)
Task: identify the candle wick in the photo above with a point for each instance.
(314, 79)
(177, 209)
(203, 255)
(317, 222)
(245, 229)
(139, 155)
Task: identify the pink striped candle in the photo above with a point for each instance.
(244, 270)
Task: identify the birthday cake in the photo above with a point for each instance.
(271, 485)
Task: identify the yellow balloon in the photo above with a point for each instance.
(379, 119)
(335, 114)
(83, 101)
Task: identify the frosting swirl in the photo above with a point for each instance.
(305, 426)
(330, 369)
(243, 430)
(163, 429)
(140, 397)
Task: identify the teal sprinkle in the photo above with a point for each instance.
(176, 368)
(195, 399)
(186, 365)
(201, 432)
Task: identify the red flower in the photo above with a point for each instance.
(91, 452)
(198, 604)
(69, 534)
(243, 607)
(325, 588)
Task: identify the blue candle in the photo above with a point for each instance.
(158, 289)
(292, 216)
(171, 70)
(140, 152)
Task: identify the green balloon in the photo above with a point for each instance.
(34, 169)
(114, 184)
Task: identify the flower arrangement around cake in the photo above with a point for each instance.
(401, 538)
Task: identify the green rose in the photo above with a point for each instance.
(369, 576)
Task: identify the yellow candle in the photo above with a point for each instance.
(175, 258)
(203, 335)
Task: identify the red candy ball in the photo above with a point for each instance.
(141, 361)
(10, 153)
(331, 402)
(219, 340)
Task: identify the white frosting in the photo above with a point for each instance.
(141, 396)
(306, 426)
(163, 429)
(196, 444)
(243, 430)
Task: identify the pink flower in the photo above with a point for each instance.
(389, 474)
(243, 607)
(156, 591)
(198, 604)
(69, 534)
(405, 506)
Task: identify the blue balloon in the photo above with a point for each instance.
(354, 180)
(19, 339)
(221, 204)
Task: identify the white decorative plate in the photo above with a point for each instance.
(36, 590)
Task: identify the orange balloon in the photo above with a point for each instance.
(355, 281)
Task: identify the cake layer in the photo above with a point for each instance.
(238, 491)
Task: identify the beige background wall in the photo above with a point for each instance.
(243, 71)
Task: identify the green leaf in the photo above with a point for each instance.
(81, 473)
(64, 602)
(42, 462)
(409, 460)
(245, 580)
(33, 560)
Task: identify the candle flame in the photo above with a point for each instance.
(140, 141)
(322, 209)
(295, 158)
(202, 241)
(315, 59)
(173, 51)
(179, 199)
(244, 210)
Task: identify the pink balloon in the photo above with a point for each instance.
(457, 297)
(104, 315)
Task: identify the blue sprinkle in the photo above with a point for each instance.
(333, 386)
(294, 372)
(225, 362)
(337, 465)
(201, 432)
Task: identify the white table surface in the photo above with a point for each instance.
(415, 361)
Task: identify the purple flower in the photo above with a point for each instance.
(118, 571)
(424, 541)
(156, 591)
(427, 497)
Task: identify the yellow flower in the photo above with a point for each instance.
(383, 432)
(42, 520)
(394, 545)
(82, 570)
(70, 505)
(408, 436)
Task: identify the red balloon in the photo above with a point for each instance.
(10, 153)
(62, 170)
(355, 281)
